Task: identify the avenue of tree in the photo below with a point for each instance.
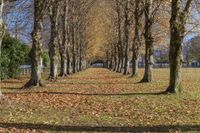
(134, 28)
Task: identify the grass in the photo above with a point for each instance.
(101, 100)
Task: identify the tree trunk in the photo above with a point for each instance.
(78, 43)
(80, 56)
(68, 61)
(121, 60)
(126, 38)
(120, 50)
(148, 75)
(126, 49)
(63, 47)
(111, 62)
(73, 52)
(125, 64)
(137, 40)
(177, 28)
(134, 67)
(118, 62)
(115, 58)
(63, 65)
(53, 45)
(2, 26)
(36, 51)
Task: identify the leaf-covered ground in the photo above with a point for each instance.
(101, 100)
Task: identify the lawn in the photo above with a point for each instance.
(101, 100)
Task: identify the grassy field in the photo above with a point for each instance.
(101, 100)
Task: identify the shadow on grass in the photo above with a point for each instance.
(91, 83)
(88, 94)
(156, 128)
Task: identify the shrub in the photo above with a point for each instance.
(14, 54)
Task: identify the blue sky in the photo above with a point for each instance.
(20, 18)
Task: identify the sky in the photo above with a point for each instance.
(21, 17)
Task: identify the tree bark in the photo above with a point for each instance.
(53, 45)
(126, 38)
(149, 60)
(119, 47)
(2, 26)
(115, 58)
(36, 51)
(135, 68)
(148, 74)
(68, 61)
(137, 40)
(63, 65)
(73, 51)
(80, 56)
(78, 43)
(2, 31)
(111, 61)
(63, 47)
(177, 28)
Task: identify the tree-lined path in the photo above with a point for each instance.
(148, 51)
(101, 100)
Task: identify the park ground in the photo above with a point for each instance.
(99, 100)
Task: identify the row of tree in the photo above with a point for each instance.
(60, 24)
(66, 45)
(134, 26)
(144, 19)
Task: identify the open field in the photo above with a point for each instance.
(101, 100)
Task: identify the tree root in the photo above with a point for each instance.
(30, 84)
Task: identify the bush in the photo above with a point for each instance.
(14, 54)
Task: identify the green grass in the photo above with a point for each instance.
(101, 100)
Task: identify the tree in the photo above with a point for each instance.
(14, 54)
(36, 51)
(149, 13)
(127, 23)
(2, 25)
(64, 43)
(179, 15)
(73, 35)
(53, 44)
(137, 37)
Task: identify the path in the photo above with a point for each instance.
(98, 100)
